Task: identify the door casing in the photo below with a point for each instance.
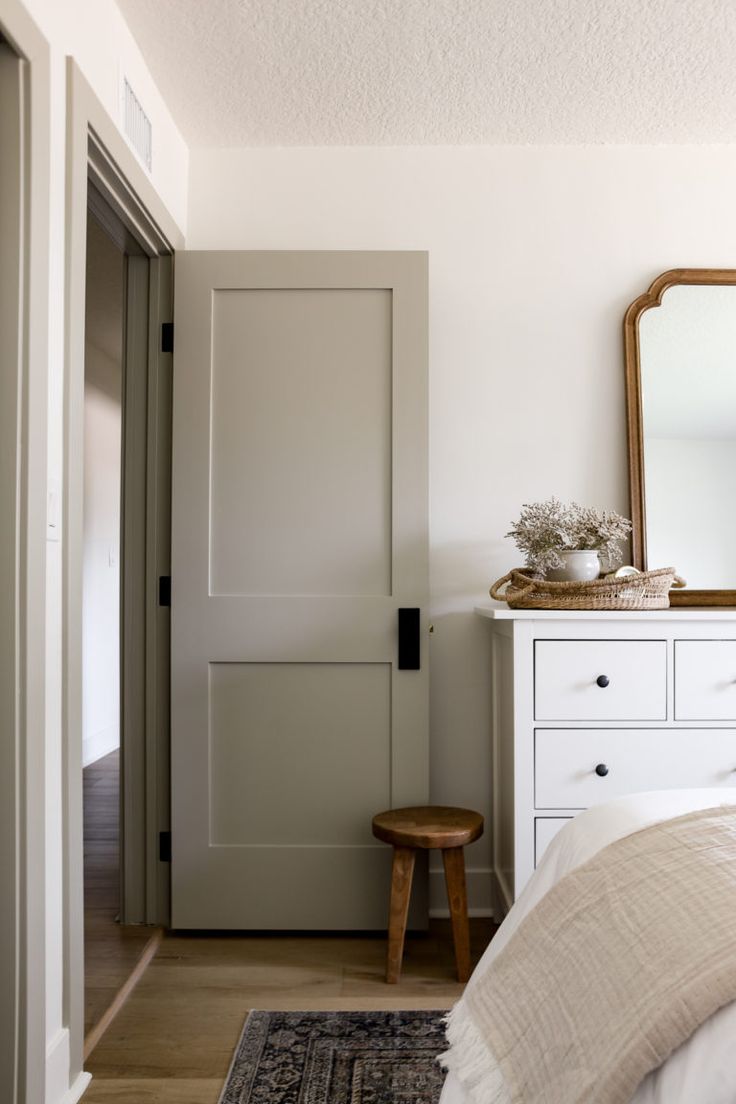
(23, 480)
(97, 155)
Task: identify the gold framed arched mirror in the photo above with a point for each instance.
(680, 356)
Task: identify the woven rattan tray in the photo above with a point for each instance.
(647, 590)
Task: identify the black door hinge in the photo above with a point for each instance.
(164, 590)
(164, 846)
(167, 337)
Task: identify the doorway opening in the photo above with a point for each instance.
(111, 949)
(124, 642)
(103, 174)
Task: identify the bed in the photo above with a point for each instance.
(701, 1071)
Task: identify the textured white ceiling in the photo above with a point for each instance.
(430, 72)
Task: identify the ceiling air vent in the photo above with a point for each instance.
(137, 126)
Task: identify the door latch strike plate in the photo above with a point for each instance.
(164, 846)
(164, 590)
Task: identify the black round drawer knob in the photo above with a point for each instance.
(603, 681)
(601, 770)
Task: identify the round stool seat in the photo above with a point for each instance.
(428, 826)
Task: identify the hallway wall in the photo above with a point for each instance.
(103, 369)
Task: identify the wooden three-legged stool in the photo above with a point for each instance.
(428, 827)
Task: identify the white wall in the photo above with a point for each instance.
(94, 34)
(101, 604)
(103, 371)
(535, 253)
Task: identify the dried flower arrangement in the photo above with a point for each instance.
(545, 529)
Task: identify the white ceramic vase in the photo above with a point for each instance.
(580, 566)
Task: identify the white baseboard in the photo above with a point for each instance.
(58, 1089)
(57, 1068)
(503, 896)
(78, 1089)
(100, 744)
(481, 893)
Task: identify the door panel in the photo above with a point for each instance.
(315, 384)
(299, 529)
(279, 737)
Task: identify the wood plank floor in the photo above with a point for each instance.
(110, 950)
(173, 1041)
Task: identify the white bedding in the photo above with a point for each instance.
(703, 1070)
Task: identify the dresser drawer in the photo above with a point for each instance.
(633, 760)
(705, 680)
(600, 680)
(545, 830)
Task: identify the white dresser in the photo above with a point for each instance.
(589, 706)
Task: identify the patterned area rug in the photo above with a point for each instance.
(337, 1058)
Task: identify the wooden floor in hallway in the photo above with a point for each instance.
(110, 950)
(173, 1041)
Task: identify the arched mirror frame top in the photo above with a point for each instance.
(634, 415)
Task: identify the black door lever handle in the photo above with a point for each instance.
(409, 639)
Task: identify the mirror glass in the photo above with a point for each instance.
(687, 351)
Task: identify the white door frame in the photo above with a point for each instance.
(97, 151)
(23, 604)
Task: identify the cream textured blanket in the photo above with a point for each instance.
(614, 969)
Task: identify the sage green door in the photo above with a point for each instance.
(299, 530)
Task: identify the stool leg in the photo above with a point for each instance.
(454, 861)
(401, 876)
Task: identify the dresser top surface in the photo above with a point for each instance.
(496, 612)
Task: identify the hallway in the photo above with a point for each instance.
(110, 951)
